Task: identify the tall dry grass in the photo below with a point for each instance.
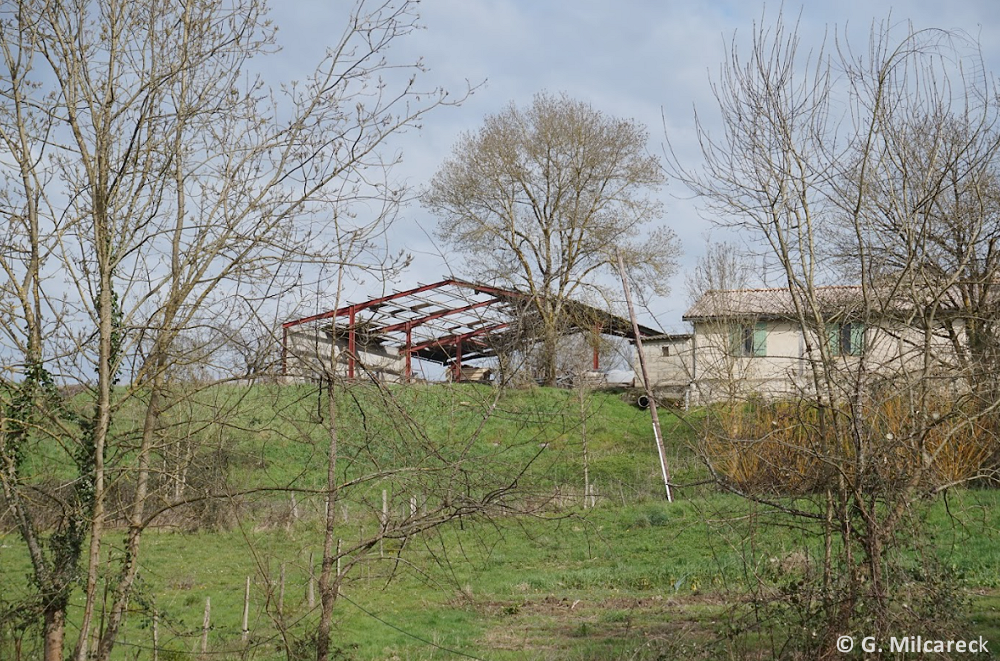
(798, 447)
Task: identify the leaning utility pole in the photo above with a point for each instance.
(645, 378)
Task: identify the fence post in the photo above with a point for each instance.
(338, 566)
(385, 522)
(281, 591)
(246, 612)
(205, 624)
(311, 589)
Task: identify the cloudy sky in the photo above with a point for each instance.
(651, 60)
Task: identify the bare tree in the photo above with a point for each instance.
(877, 160)
(723, 266)
(943, 234)
(727, 335)
(540, 198)
(170, 191)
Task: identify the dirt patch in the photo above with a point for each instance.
(637, 627)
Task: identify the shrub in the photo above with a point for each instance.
(797, 447)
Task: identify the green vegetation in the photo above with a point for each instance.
(632, 578)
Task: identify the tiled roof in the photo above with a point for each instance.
(668, 337)
(774, 303)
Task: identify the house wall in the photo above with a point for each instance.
(670, 374)
(308, 355)
(721, 375)
(785, 368)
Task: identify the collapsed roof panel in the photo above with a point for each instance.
(448, 320)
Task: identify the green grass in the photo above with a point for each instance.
(595, 583)
(633, 578)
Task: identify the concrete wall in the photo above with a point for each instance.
(669, 361)
(309, 353)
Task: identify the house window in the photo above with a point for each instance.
(665, 351)
(749, 339)
(846, 339)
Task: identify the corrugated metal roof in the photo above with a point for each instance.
(437, 321)
(667, 337)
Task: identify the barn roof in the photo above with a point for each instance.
(452, 318)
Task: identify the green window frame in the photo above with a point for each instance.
(845, 339)
(749, 339)
(852, 339)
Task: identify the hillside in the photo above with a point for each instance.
(528, 573)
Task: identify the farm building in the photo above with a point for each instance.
(452, 323)
(670, 364)
(749, 341)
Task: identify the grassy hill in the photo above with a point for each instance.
(538, 576)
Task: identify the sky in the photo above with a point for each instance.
(648, 60)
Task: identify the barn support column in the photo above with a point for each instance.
(351, 343)
(408, 374)
(284, 351)
(597, 347)
(457, 365)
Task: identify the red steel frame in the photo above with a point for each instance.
(453, 341)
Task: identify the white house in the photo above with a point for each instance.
(749, 341)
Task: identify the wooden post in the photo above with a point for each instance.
(246, 612)
(583, 441)
(413, 505)
(409, 355)
(156, 635)
(284, 355)
(597, 347)
(351, 344)
(281, 590)
(205, 624)
(661, 450)
(385, 522)
(339, 541)
(311, 587)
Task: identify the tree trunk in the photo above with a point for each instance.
(130, 563)
(550, 349)
(55, 630)
(328, 587)
(550, 312)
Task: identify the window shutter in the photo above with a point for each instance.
(857, 339)
(760, 339)
(833, 339)
(736, 340)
